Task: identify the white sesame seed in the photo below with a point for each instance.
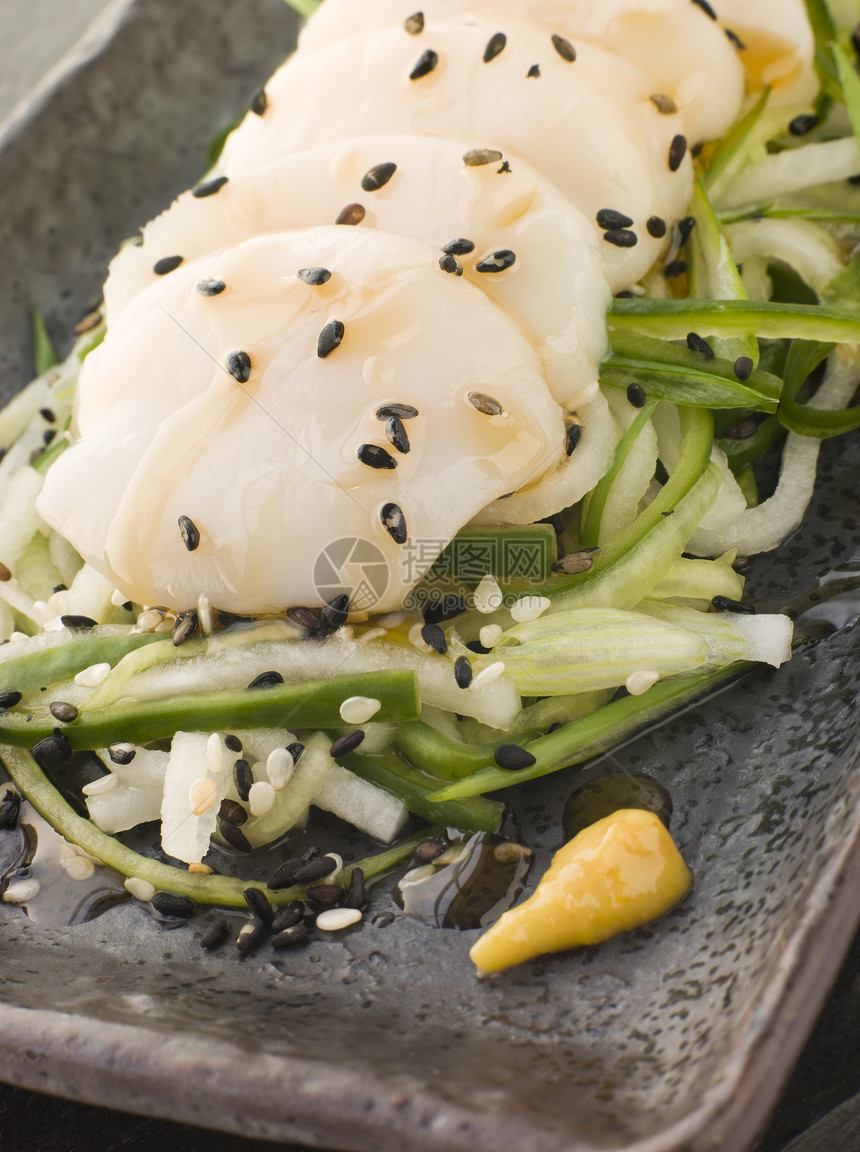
(261, 798)
(487, 676)
(20, 891)
(202, 794)
(359, 709)
(529, 608)
(149, 619)
(372, 634)
(166, 624)
(392, 619)
(140, 889)
(488, 594)
(18, 636)
(490, 635)
(77, 867)
(279, 768)
(638, 683)
(91, 677)
(100, 786)
(335, 919)
(202, 869)
(337, 868)
(204, 615)
(214, 755)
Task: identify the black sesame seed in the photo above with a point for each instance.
(625, 294)
(685, 227)
(434, 638)
(375, 457)
(314, 276)
(122, 753)
(735, 39)
(48, 435)
(394, 522)
(259, 905)
(513, 757)
(284, 875)
(78, 623)
(210, 287)
(243, 778)
(289, 937)
(397, 411)
(677, 152)
(336, 612)
(533, 72)
(215, 934)
(259, 102)
(343, 745)
(232, 743)
(330, 338)
(398, 437)
(459, 247)
(233, 836)
(251, 936)
(326, 895)
(351, 214)
(172, 904)
(486, 405)
(166, 264)
(463, 673)
(188, 532)
(239, 366)
(656, 226)
(378, 176)
(477, 647)
(55, 747)
(696, 344)
(63, 712)
(266, 680)
(706, 8)
(9, 809)
(450, 264)
(742, 430)
(287, 917)
(572, 436)
(310, 870)
(427, 61)
(636, 395)
(232, 811)
(800, 125)
(209, 188)
(47, 415)
(478, 157)
(564, 48)
(743, 367)
(356, 896)
(675, 268)
(608, 218)
(187, 624)
(575, 562)
(446, 609)
(498, 261)
(724, 604)
(495, 45)
(663, 103)
(414, 24)
(9, 699)
(305, 618)
(621, 237)
(503, 167)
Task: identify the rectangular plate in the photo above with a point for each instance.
(675, 1036)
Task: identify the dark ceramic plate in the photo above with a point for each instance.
(674, 1037)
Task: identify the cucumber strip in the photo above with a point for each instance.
(518, 552)
(779, 173)
(806, 419)
(64, 660)
(305, 8)
(593, 506)
(670, 319)
(436, 752)
(824, 33)
(44, 355)
(741, 453)
(733, 143)
(699, 388)
(665, 356)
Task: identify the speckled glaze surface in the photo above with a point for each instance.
(676, 1037)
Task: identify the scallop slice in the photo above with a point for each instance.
(421, 188)
(685, 54)
(589, 125)
(779, 49)
(271, 469)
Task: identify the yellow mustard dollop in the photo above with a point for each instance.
(617, 874)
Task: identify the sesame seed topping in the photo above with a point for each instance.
(78, 623)
(495, 45)
(378, 176)
(513, 757)
(9, 700)
(706, 8)
(234, 836)
(459, 247)
(675, 268)
(636, 395)
(656, 226)
(486, 405)
(498, 261)
(401, 411)
(427, 61)
(572, 437)
(677, 152)
(696, 344)
(259, 102)
(166, 264)
(336, 919)
(233, 811)
(351, 214)
(743, 367)
(266, 680)
(210, 287)
(477, 157)
(188, 532)
(503, 167)
(575, 562)
(394, 522)
(608, 219)
(359, 709)
(451, 264)
(724, 604)
(564, 48)
(122, 752)
(259, 905)
(375, 457)
(621, 237)
(314, 276)
(330, 338)
(187, 624)
(232, 743)
(533, 72)
(663, 103)
(54, 747)
(434, 638)
(239, 366)
(395, 431)
(685, 227)
(295, 750)
(735, 39)
(63, 712)
(463, 671)
(414, 24)
(209, 188)
(340, 747)
(243, 778)
(800, 125)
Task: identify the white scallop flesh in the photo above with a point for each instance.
(267, 471)
(588, 126)
(779, 49)
(556, 288)
(685, 54)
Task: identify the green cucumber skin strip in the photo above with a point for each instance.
(671, 319)
(301, 704)
(221, 890)
(54, 665)
(596, 734)
(431, 750)
(589, 524)
(699, 389)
